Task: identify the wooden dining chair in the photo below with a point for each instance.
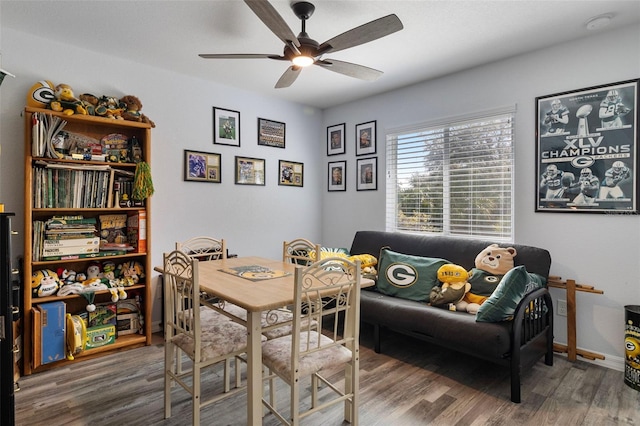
(204, 248)
(194, 331)
(299, 251)
(326, 292)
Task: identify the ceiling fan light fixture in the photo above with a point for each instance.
(302, 61)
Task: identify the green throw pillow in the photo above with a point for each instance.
(406, 276)
(501, 305)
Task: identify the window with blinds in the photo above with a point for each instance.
(453, 178)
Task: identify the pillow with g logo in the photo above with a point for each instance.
(406, 276)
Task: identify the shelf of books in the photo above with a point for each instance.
(87, 238)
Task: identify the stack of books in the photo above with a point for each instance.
(67, 237)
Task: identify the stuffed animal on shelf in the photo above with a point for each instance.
(455, 285)
(66, 102)
(94, 280)
(109, 107)
(89, 102)
(45, 282)
(490, 266)
(130, 273)
(132, 107)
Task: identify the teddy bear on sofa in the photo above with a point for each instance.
(490, 266)
(455, 285)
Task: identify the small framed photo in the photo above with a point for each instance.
(202, 166)
(366, 138)
(226, 127)
(290, 173)
(249, 171)
(335, 139)
(367, 169)
(271, 133)
(337, 176)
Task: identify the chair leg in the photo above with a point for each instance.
(272, 390)
(314, 391)
(268, 381)
(295, 402)
(178, 361)
(226, 374)
(352, 385)
(169, 353)
(238, 372)
(196, 394)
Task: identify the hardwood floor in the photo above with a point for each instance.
(410, 383)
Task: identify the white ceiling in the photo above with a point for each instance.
(439, 37)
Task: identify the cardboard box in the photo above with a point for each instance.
(100, 336)
(52, 316)
(105, 314)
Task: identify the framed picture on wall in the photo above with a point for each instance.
(586, 150)
(290, 173)
(271, 133)
(337, 175)
(367, 170)
(249, 171)
(226, 127)
(202, 166)
(335, 139)
(366, 138)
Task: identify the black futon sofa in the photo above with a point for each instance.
(518, 343)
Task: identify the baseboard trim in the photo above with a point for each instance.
(612, 362)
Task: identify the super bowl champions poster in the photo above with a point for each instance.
(587, 155)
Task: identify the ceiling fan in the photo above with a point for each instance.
(303, 51)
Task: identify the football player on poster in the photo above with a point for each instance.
(556, 118)
(552, 179)
(618, 173)
(611, 109)
(588, 185)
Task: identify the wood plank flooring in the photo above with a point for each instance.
(410, 383)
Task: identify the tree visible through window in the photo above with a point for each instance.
(453, 178)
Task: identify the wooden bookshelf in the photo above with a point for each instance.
(95, 128)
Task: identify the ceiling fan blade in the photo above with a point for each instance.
(352, 70)
(289, 76)
(272, 19)
(363, 34)
(238, 56)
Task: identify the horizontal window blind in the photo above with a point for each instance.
(453, 178)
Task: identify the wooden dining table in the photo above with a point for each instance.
(257, 285)
(256, 293)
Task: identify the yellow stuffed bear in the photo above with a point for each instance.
(454, 286)
(490, 266)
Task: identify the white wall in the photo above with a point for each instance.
(599, 250)
(253, 219)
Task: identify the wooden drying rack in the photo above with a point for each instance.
(570, 348)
